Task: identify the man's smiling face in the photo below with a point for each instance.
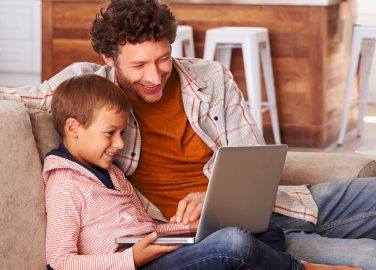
(143, 69)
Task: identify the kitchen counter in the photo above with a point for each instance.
(261, 2)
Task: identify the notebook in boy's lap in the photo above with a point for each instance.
(241, 193)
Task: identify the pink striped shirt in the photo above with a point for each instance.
(215, 108)
(84, 217)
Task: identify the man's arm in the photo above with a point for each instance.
(241, 128)
(39, 96)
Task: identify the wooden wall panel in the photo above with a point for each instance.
(73, 20)
(76, 49)
(66, 33)
(339, 28)
(47, 63)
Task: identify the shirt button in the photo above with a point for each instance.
(133, 154)
(216, 118)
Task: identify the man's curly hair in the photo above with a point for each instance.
(131, 21)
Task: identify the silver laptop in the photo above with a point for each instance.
(241, 193)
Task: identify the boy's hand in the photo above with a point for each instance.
(145, 251)
(189, 208)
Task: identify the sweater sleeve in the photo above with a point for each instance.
(64, 205)
(166, 227)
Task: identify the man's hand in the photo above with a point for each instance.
(194, 225)
(144, 251)
(189, 208)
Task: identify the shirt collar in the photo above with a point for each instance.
(191, 81)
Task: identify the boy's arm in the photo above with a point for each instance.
(39, 96)
(63, 205)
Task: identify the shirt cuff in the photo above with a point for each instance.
(166, 227)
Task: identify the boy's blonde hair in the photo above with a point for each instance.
(81, 96)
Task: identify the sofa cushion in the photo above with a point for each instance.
(23, 219)
(316, 167)
(44, 132)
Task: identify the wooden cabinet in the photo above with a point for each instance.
(309, 47)
(66, 33)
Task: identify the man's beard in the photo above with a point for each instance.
(129, 89)
(124, 83)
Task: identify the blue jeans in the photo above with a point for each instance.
(229, 248)
(346, 229)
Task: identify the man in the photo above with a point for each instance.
(184, 109)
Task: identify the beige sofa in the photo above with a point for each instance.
(26, 136)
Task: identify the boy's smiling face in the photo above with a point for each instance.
(98, 143)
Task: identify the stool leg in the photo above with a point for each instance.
(177, 48)
(189, 47)
(209, 49)
(355, 52)
(251, 60)
(223, 55)
(368, 49)
(270, 89)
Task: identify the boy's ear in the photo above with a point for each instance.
(108, 60)
(71, 128)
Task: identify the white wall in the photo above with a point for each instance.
(366, 6)
(20, 42)
(367, 9)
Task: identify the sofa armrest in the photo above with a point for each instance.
(316, 167)
(23, 215)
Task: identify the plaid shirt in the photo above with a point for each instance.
(215, 108)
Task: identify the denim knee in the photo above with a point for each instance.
(237, 248)
(234, 242)
(274, 237)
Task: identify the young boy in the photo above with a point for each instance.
(89, 202)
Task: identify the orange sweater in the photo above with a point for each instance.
(172, 155)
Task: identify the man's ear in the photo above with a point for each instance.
(108, 60)
(71, 128)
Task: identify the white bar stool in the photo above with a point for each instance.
(183, 42)
(253, 41)
(363, 46)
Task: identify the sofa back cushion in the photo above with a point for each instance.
(22, 210)
(317, 167)
(44, 132)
